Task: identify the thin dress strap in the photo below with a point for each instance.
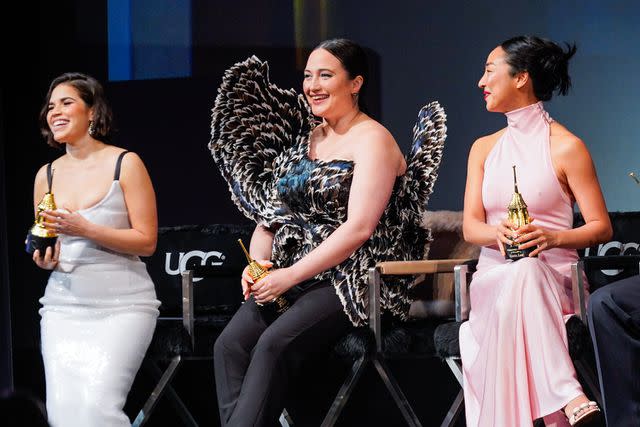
(49, 176)
(116, 175)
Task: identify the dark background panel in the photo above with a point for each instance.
(420, 51)
(6, 371)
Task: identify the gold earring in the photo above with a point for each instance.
(92, 128)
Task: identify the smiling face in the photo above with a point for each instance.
(68, 115)
(499, 87)
(328, 86)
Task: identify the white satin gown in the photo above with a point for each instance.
(99, 313)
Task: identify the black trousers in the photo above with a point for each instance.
(254, 362)
(614, 322)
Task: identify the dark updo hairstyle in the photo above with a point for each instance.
(546, 62)
(353, 59)
(92, 93)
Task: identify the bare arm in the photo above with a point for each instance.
(583, 181)
(577, 170)
(373, 179)
(140, 199)
(474, 226)
(261, 243)
(40, 187)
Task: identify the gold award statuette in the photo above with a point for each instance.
(280, 304)
(38, 236)
(518, 215)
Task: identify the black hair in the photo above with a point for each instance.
(353, 59)
(92, 93)
(546, 62)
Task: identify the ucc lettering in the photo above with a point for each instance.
(206, 258)
(614, 248)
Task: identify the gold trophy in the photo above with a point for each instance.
(274, 308)
(518, 215)
(38, 236)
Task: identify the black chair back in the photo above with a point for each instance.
(625, 239)
(602, 270)
(190, 246)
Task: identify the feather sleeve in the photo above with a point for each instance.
(423, 161)
(254, 125)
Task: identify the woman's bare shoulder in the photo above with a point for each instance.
(41, 182)
(129, 160)
(483, 145)
(371, 134)
(372, 140)
(565, 142)
(41, 175)
(373, 128)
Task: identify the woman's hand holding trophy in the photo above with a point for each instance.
(42, 241)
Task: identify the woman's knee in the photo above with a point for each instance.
(522, 280)
(224, 344)
(270, 345)
(527, 265)
(525, 274)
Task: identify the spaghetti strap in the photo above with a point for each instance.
(116, 175)
(49, 176)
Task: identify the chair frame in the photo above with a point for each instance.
(462, 307)
(377, 355)
(165, 377)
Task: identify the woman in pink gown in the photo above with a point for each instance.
(514, 347)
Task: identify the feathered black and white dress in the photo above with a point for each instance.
(260, 143)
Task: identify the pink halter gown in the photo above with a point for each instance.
(515, 360)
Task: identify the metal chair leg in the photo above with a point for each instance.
(454, 411)
(162, 387)
(285, 419)
(455, 364)
(395, 390)
(345, 391)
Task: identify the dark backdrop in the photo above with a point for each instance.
(6, 374)
(421, 51)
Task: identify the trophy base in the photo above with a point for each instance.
(272, 310)
(513, 253)
(41, 243)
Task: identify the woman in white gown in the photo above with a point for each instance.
(99, 308)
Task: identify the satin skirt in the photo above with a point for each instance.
(97, 322)
(516, 365)
(90, 363)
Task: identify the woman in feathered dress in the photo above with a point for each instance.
(317, 193)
